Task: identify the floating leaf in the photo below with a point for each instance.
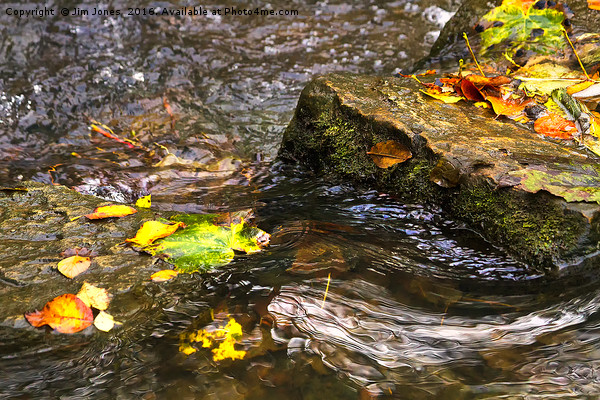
(203, 245)
(555, 126)
(93, 296)
(448, 98)
(104, 321)
(111, 212)
(224, 338)
(144, 201)
(73, 266)
(164, 275)
(66, 314)
(386, 154)
(153, 230)
(594, 4)
(535, 29)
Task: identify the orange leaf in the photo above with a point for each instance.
(481, 81)
(73, 266)
(469, 90)
(152, 230)
(594, 4)
(555, 126)
(164, 275)
(111, 211)
(386, 154)
(512, 108)
(65, 313)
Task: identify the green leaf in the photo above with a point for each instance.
(518, 27)
(202, 245)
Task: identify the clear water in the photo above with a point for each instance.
(418, 307)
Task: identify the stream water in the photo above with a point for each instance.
(417, 306)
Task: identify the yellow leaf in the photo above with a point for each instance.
(386, 154)
(94, 296)
(164, 275)
(104, 321)
(73, 266)
(153, 230)
(446, 98)
(226, 338)
(111, 211)
(144, 202)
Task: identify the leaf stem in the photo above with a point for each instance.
(472, 54)
(578, 59)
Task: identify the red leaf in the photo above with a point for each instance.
(555, 126)
(65, 313)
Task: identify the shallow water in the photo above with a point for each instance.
(417, 306)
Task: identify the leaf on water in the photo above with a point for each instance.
(111, 211)
(222, 340)
(164, 275)
(104, 321)
(153, 230)
(144, 201)
(73, 266)
(202, 245)
(568, 185)
(448, 98)
(532, 28)
(93, 296)
(593, 4)
(555, 126)
(66, 314)
(386, 154)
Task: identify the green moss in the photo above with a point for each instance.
(537, 231)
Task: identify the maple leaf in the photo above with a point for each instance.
(532, 29)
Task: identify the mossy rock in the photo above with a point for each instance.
(472, 165)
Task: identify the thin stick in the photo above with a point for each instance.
(472, 54)
(578, 59)
(326, 289)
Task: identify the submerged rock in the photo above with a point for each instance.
(538, 198)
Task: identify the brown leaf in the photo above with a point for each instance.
(469, 90)
(386, 154)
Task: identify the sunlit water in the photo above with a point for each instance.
(417, 307)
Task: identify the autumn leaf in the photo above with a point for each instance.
(66, 314)
(448, 98)
(510, 107)
(202, 245)
(111, 211)
(386, 154)
(593, 4)
(164, 275)
(555, 126)
(222, 341)
(153, 230)
(73, 266)
(144, 202)
(93, 296)
(531, 28)
(104, 321)
(470, 91)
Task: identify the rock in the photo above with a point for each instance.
(538, 198)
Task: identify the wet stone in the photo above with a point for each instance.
(537, 198)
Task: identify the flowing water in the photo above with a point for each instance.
(358, 296)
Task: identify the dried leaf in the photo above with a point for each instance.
(65, 313)
(448, 98)
(511, 108)
(144, 202)
(73, 266)
(164, 275)
(152, 230)
(111, 212)
(555, 126)
(104, 321)
(386, 154)
(94, 296)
